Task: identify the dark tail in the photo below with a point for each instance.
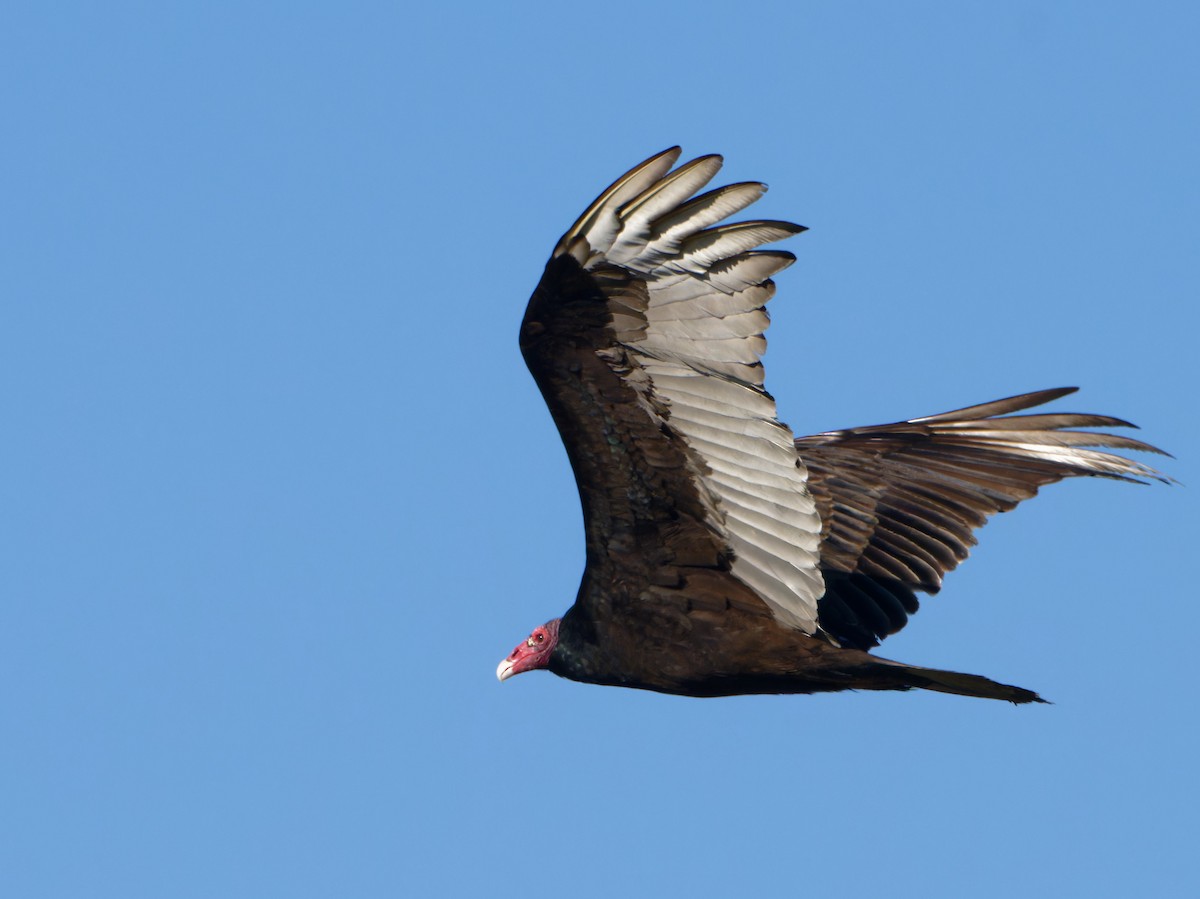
(960, 684)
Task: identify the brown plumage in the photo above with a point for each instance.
(723, 555)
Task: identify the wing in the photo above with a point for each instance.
(899, 503)
(644, 336)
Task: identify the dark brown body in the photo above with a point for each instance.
(691, 642)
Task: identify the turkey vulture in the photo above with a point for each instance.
(723, 555)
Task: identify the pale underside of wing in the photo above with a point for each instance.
(900, 502)
(684, 297)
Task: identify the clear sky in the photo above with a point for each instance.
(277, 492)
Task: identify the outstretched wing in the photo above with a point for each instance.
(899, 502)
(644, 336)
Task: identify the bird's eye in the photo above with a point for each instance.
(540, 637)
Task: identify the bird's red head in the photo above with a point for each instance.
(533, 653)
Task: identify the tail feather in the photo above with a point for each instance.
(960, 684)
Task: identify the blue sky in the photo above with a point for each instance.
(279, 494)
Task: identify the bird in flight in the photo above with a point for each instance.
(724, 555)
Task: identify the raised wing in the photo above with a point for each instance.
(899, 502)
(644, 336)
